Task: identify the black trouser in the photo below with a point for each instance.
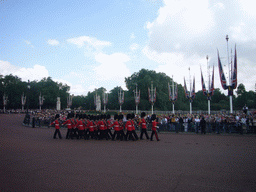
(121, 135)
(55, 133)
(80, 134)
(152, 134)
(203, 130)
(91, 133)
(109, 134)
(68, 133)
(135, 134)
(129, 136)
(116, 133)
(144, 131)
(96, 135)
(86, 132)
(103, 134)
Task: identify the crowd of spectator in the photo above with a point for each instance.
(240, 122)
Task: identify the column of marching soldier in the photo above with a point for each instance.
(82, 126)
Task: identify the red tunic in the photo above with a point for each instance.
(133, 126)
(109, 124)
(128, 126)
(80, 125)
(90, 126)
(73, 123)
(57, 125)
(116, 126)
(68, 122)
(154, 125)
(101, 125)
(143, 124)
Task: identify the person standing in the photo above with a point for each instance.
(243, 125)
(203, 125)
(143, 126)
(245, 109)
(154, 126)
(57, 126)
(179, 127)
(197, 124)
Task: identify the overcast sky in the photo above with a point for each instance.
(97, 43)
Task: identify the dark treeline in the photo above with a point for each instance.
(13, 87)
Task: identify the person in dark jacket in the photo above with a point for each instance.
(203, 125)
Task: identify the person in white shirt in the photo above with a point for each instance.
(197, 123)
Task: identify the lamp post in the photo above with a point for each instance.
(120, 98)
(23, 101)
(41, 101)
(28, 89)
(105, 100)
(5, 98)
(137, 98)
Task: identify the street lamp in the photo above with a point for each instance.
(28, 88)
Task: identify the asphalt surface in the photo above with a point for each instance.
(31, 160)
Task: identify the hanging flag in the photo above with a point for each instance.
(222, 75)
(122, 98)
(176, 92)
(170, 92)
(105, 98)
(203, 84)
(211, 91)
(185, 89)
(155, 95)
(234, 72)
(149, 96)
(137, 98)
(193, 92)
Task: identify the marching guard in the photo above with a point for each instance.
(128, 127)
(154, 126)
(57, 127)
(143, 126)
(116, 127)
(133, 128)
(69, 126)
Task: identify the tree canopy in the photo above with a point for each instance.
(14, 87)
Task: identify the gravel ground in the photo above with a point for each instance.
(31, 160)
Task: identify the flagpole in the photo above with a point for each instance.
(190, 103)
(208, 69)
(136, 98)
(172, 95)
(152, 96)
(230, 97)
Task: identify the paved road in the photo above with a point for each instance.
(31, 160)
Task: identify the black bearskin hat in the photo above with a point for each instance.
(120, 117)
(108, 116)
(128, 116)
(116, 117)
(57, 116)
(153, 117)
(143, 114)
